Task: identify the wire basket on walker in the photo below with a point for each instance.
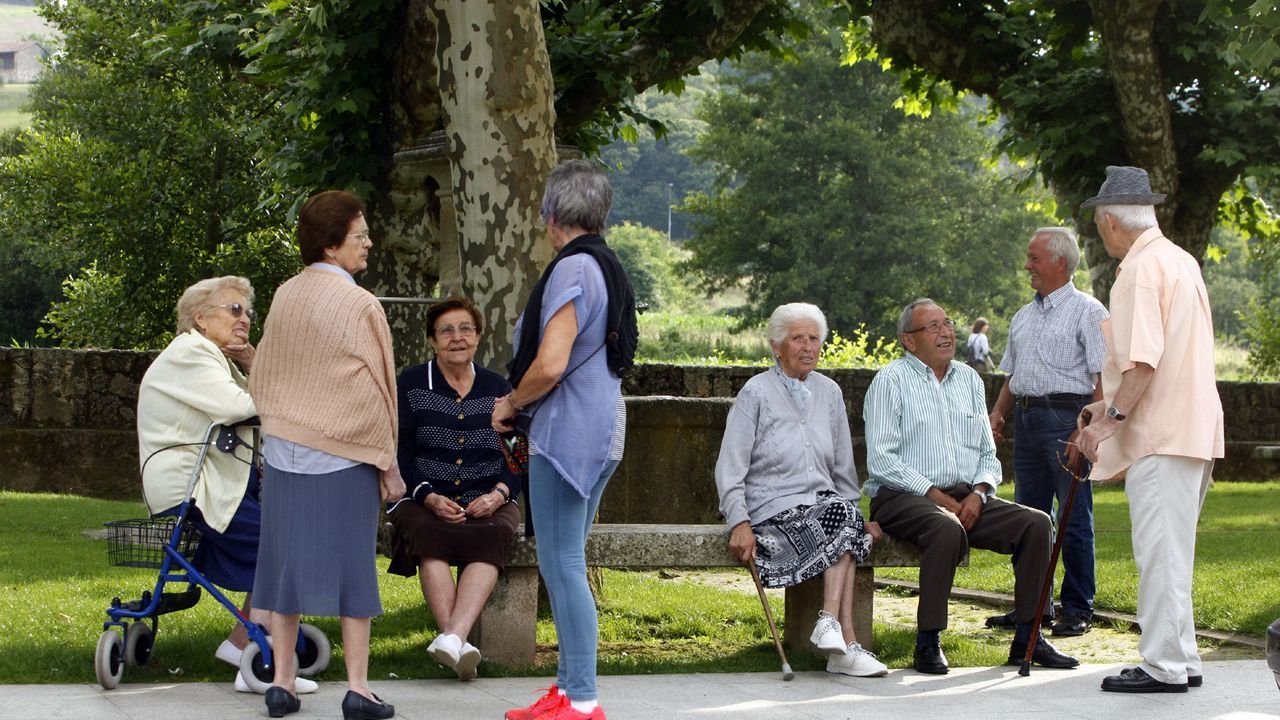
(168, 543)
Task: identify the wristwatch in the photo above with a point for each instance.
(985, 495)
(1114, 414)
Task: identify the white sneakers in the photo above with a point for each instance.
(461, 657)
(301, 685)
(827, 634)
(228, 653)
(856, 662)
(849, 659)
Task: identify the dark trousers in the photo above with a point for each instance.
(1004, 527)
(1040, 467)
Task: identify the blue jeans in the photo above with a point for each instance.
(1040, 468)
(562, 518)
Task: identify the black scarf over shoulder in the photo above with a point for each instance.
(621, 330)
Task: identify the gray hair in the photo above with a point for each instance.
(1062, 243)
(578, 194)
(784, 316)
(1130, 217)
(904, 320)
(197, 298)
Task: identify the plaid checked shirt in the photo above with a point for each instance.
(1056, 344)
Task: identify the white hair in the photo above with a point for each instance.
(784, 316)
(196, 299)
(1130, 217)
(1062, 243)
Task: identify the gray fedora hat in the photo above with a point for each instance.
(1124, 185)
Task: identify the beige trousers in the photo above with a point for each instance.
(1165, 494)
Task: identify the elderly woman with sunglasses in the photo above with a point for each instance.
(788, 488)
(197, 380)
(325, 385)
(459, 506)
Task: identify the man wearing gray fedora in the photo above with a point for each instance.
(1160, 421)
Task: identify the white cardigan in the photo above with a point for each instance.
(190, 385)
(772, 458)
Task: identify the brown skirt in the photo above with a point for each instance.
(420, 534)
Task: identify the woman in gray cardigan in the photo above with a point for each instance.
(788, 488)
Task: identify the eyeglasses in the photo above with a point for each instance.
(236, 310)
(936, 326)
(460, 331)
(362, 236)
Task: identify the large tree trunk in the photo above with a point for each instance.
(497, 95)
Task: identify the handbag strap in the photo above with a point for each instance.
(560, 382)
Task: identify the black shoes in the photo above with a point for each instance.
(1072, 625)
(1045, 655)
(1195, 680)
(280, 702)
(358, 707)
(930, 660)
(1136, 680)
(1007, 622)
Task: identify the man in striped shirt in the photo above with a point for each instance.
(1054, 357)
(932, 475)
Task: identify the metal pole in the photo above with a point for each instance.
(668, 212)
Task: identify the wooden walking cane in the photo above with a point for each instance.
(1064, 513)
(768, 614)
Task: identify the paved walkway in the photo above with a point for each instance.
(1236, 690)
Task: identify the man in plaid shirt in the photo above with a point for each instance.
(1054, 358)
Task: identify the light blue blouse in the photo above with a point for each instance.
(574, 426)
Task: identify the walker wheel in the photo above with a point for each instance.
(108, 659)
(138, 641)
(313, 657)
(256, 674)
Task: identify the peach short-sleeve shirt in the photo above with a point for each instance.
(1160, 316)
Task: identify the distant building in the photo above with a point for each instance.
(22, 62)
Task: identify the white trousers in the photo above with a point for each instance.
(1165, 494)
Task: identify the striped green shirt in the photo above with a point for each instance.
(922, 433)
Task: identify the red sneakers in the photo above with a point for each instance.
(547, 702)
(554, 706)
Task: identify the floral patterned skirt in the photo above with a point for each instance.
(801, 543)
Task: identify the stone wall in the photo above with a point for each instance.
(67, 425)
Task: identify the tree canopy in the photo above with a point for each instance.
(828, 193)
(1082, 84)
(136, 178)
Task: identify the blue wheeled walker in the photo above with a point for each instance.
(167, 543)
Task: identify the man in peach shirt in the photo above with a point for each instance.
(1160, 419)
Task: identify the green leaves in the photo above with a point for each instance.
(827, 193)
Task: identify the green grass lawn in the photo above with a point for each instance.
(55, 586)
(13, 97)
(1237, 558)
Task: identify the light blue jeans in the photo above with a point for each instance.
(562, 518)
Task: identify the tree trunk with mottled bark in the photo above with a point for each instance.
(497, 98)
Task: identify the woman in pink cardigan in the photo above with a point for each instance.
(325, 386)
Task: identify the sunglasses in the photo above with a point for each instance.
(236, 310)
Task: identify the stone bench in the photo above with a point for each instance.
(1267, 452)
(506, 630)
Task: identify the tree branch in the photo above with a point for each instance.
(677, 43)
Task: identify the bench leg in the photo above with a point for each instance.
(507, 628)
(803, 602)
(864, 593)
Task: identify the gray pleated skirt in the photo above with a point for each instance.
(318, 550)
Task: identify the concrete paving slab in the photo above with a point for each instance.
(1236, 690)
